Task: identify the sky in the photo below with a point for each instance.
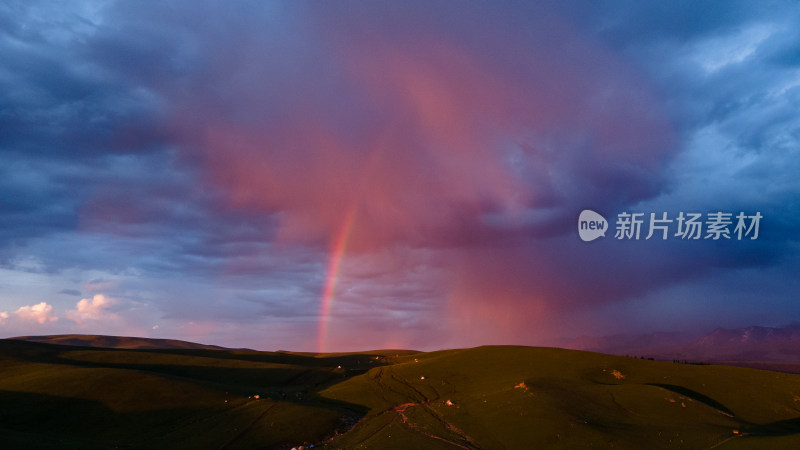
(335, 176)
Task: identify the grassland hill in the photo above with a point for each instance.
(66, 396)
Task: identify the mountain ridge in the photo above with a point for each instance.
(752, 343)
(118, 342)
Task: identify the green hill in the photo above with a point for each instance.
(57, 396)
(94, 340)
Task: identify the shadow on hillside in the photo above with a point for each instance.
(33, 420)
(296, 383)
(774, 429)
(694, 395)
(27, 412)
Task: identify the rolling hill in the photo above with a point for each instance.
(101, 341)
(59, 396)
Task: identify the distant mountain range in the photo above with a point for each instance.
(100, 341)
(752, 344)
(760, 344)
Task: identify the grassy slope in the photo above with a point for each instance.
(502, 397)
(569, 399)
(67, 397)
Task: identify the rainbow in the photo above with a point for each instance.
(328, 292)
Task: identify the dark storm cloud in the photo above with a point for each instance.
(84, 151)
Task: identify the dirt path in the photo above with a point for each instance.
(466, 441)
(390, 382)
(401, 409)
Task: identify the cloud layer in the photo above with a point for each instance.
(191, 169)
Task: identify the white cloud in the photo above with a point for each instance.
(3, 317)
(96, 308)
(41, 313)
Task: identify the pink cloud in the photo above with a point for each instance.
(93, 309)
(40, 313)
(437, 139)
